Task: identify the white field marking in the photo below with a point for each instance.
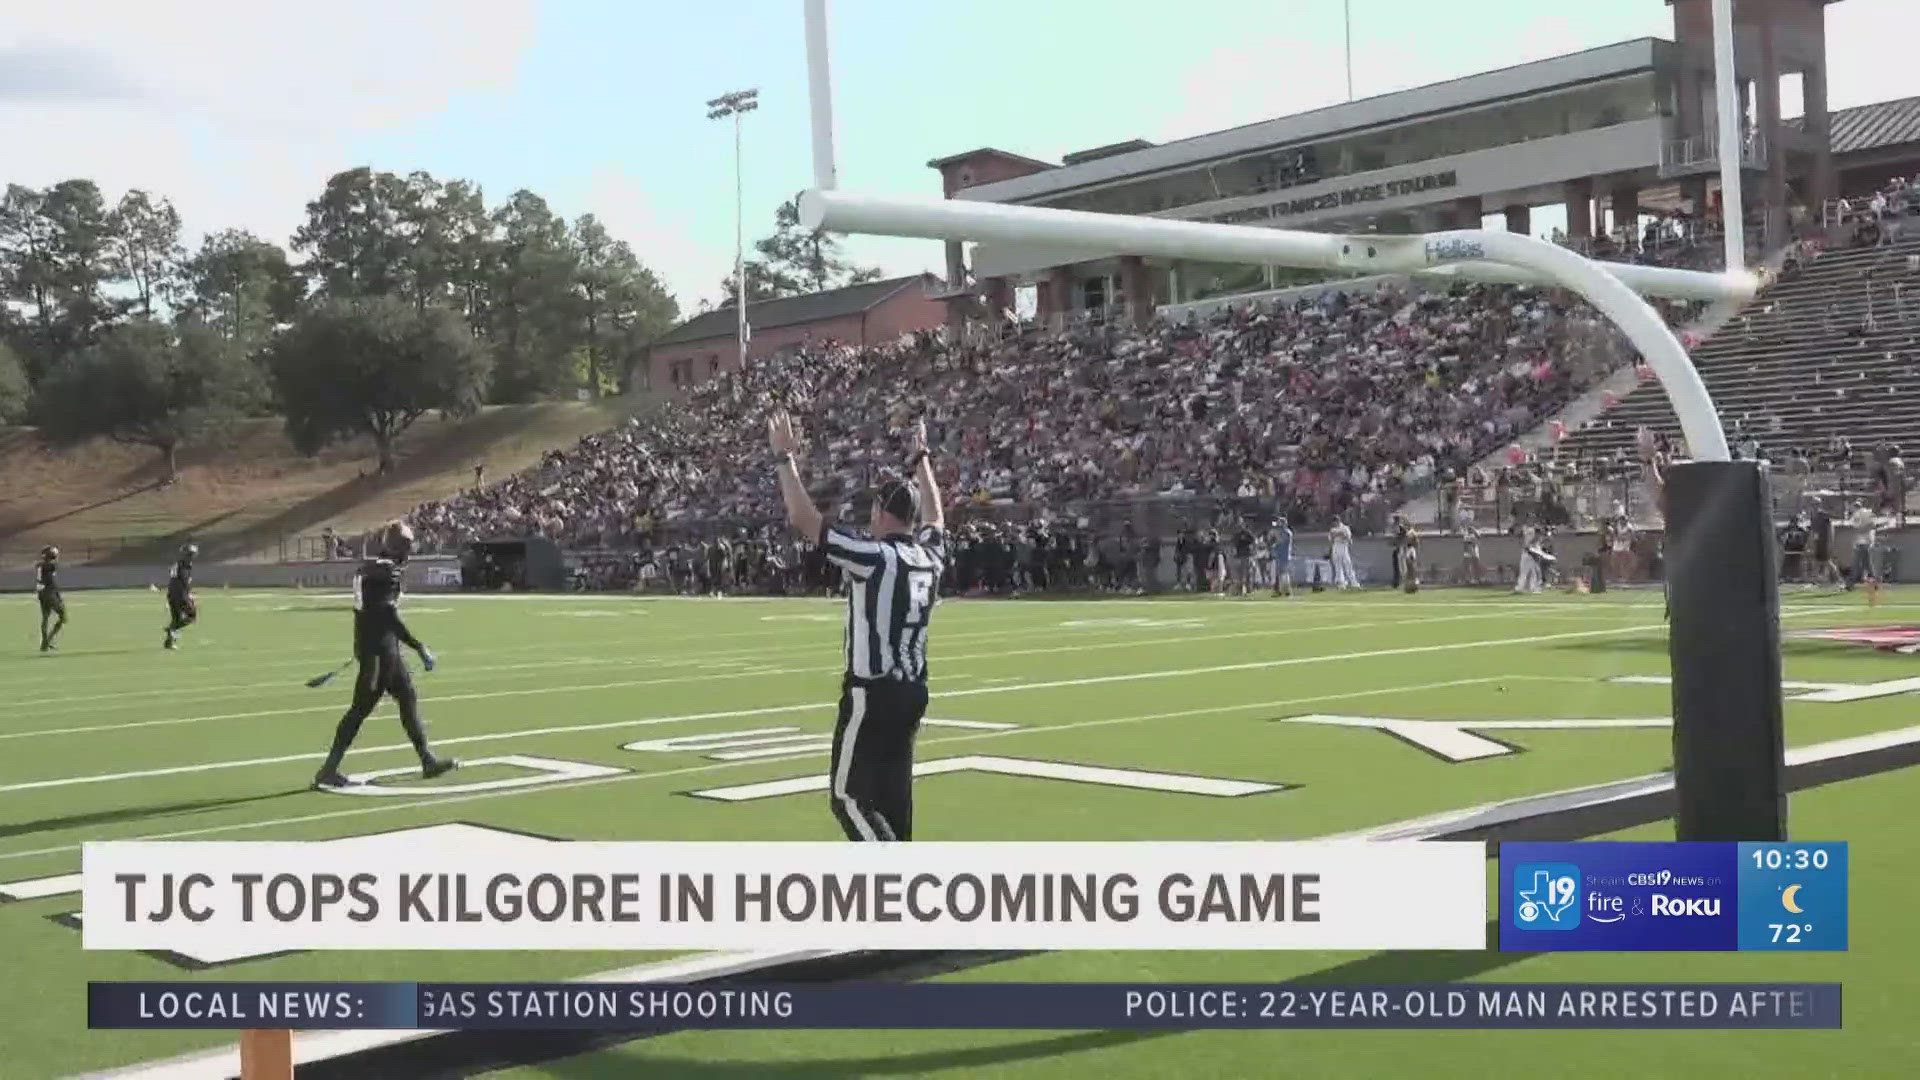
(1457, 741)
(37, 888)
(1089, 680)
(695, 769)
(810, 645)
(1825, 692)
(690, 662)
(782, 742)
(1141, 779)
(539, 770)
(816, 744)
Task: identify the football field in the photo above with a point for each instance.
(613, 717)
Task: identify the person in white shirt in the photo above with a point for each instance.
(1531, 577)
(1866, 529)
(1342, 538)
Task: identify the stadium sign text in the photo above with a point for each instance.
(1366, 193)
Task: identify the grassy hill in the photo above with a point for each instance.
(102, 502)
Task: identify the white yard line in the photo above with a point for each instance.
(717, 765)
(685, 661)
(815, 642)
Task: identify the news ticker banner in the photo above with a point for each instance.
(1665, 897)
(197, 898)
(956, 1005)
(505, 894)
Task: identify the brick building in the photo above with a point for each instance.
(871, 314)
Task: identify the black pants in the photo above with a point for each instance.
(380, 673)
(53, 609)
(872, 779)
(181, 612)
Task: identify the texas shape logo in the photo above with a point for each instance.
(1546, 896)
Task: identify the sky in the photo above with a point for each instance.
(241, 110)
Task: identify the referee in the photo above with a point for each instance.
(891, 576)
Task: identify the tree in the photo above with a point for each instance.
(53, 262)
(144, 247)
(14, 391)
(241, 286)
(353, 238)
(81, 263)
(764, 282)
(622, 305)
(372, 366)
(26, 267)
(532, 307)
(795, 260)
(148, 384)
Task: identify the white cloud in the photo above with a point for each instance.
(241, 111)
(689, 269)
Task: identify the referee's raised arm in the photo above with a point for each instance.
(932, 511)
(785, 440)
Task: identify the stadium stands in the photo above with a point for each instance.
(1343, 404)
(1827, 351)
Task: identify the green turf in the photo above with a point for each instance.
(1181, 685)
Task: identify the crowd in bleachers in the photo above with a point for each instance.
(1335, 404)
(1886, 216)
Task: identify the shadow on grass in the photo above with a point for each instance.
(11, 529)
(134, 813)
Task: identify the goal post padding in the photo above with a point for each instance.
(1724, 645)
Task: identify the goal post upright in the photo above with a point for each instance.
(1724, 639)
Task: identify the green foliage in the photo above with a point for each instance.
(14, 390)
(561, 307)
(794, 261)
(241, 286)
(372, 366)
(143, 248)
(622, 306)
(151, 385)
(54, 262)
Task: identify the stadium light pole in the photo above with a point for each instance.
(1733, 207)
(1348, 8)
(734, 105)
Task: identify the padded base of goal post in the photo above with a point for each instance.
(1724, 643)
(266, 1054)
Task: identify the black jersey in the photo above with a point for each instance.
(376, 609)
(180, 584)
(1243, 544)
(1794, 540)
(46, 582)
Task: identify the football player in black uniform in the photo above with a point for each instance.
(46, 586)
(378, 634)
(181, 610)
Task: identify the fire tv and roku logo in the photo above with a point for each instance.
(1618, 897)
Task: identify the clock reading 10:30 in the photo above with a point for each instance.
(1788, 858)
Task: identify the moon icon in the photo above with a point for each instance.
(1786, 899)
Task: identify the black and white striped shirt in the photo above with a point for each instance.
(891, 586)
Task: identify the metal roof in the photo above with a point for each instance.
(789, 310)
(1870, 127)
